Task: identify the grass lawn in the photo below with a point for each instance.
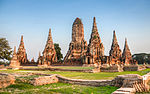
(55, 88)
(64, 88)
(81, 75)
(96, 76)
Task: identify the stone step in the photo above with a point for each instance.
(124, 91)
(119, 92)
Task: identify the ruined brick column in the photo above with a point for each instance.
(126, 55)
(21, 53)
(78, 46)
(115, 52)
(95, 47)
(39, 61)
(49, 53)
(14, 62)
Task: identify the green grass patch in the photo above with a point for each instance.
(81, 75)
(96, 76)
(56, 88)
(9, 71)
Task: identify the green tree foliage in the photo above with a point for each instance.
(58, 52)
(142, 58)
(5, 50)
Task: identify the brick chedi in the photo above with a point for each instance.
(14, 62)
(126, 55)
(115, 52)
(49, 53)
(95, 47)
(39, 61)
(32, 60)
(21, 53)
(78, 46)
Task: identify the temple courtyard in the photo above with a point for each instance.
(23, 76)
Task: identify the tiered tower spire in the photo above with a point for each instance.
(126, 55)
(95, 47)
(49, 43)
(49, 53)
(115, 52)
(78, 45)
(21, 54)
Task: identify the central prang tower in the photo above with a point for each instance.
(78, 46)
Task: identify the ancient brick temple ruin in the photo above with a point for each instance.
(14, 61)
(79, 51)
(93, 53)
(95, 49)
(49, 53)
(78, 46)
(126, 55)
(115, 53)
(21, 53)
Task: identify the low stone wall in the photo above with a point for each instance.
(110, 69)
(73, 70)
(130, 68)
(147, 66)
(126, 80)
(6, 80)
(30, 64)
(85, 82)
(129, 83)
(133, 68)
(142, 67)
(58, 69)
(67, 63)
(44, 80)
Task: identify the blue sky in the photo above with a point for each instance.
(33, 18)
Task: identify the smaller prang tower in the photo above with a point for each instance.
(49, 53)
(95, 48)
(21, 53)
(115, 52)
(126, 55)
(14, 62)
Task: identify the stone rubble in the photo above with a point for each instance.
(43, 80)
(6, 80)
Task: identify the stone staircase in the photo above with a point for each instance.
(132, 84)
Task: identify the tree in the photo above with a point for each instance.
(58, 51)
(5, 50)
(142, 58)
